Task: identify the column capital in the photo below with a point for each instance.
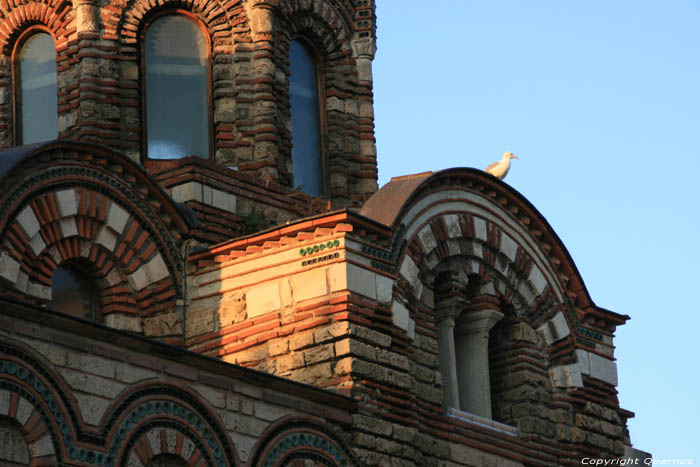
(260, 16)
(450, 308)
(477, 322)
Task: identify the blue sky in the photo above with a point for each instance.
(601, 102)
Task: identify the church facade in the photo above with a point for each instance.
(198, 268)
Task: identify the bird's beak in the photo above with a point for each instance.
(514, 156)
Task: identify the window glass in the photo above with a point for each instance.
(176, 89)
(167, 460)
(306, 125)
(38, 104)
(73, 292)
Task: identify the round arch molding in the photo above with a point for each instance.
(301, 439)
(500, 237)
(67, 202)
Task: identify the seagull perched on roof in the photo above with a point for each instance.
(500, 169)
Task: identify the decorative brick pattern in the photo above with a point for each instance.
(94, 220)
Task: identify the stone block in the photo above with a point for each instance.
(117, 218)
(37, 244)
(224, 201)
(22, 281)
(604, 369)
(132, 374)
(409, 270)
(38, 290)
(566, 376)
(9, 268)
(318, 354)
(537, 279)
(4, 402)
(153, 437)
(138, 279)
(555, 329)
(190, 191)
(309, 284)
(28, 221)
(199, 321)
(371, 336)
(66, 203)
(156, 269)
(301, 340)
(362, 281)
(480, 229)
(400, 316)
(24, 410)
(90, 364)
(509, 247)
(427, 238)
(338, 277)
(452, 224)
(41, 447)
(372, 424)
(269, 412)
(91, 384)
(263, 299)
(68, 227)
(92, 408)
(164, 324)
(107, 238)
(385, 288)
(124, 322)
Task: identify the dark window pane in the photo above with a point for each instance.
(73, 293)
(176, 89)
(306, 125)
(38, 92)
(167, 460)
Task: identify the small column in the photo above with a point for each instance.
(472, 357)
(447, 310)
(86, 16)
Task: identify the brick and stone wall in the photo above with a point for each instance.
(100, 74)
(76, 393)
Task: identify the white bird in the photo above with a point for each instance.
(500, 169)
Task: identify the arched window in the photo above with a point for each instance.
(73, 292)
(307, 152)
(176, 86)
(36, 107)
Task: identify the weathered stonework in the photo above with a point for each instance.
(241, 321)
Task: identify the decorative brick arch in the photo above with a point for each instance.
(156, 418)
(493, 226)
(329, 28)
(497, 235)
(123, 20)
(36, 398)
(296, 438)
(78, 202)
(55, 15)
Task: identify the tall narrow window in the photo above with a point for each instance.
(37, 94)
(306, 123)
(177, 95)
